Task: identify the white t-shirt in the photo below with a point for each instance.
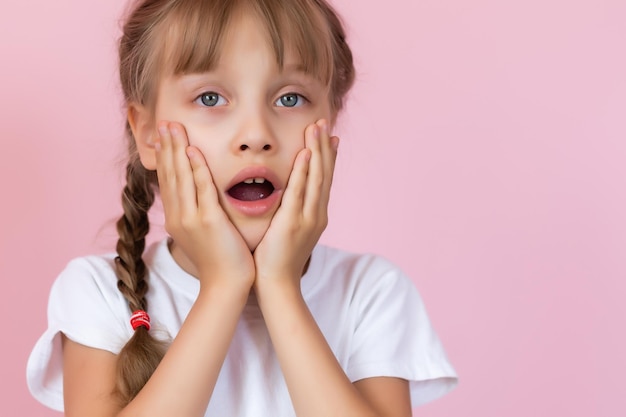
(368, 310)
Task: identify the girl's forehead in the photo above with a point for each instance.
(198, 43)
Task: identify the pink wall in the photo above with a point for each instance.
(484, 151)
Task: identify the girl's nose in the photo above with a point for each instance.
(265, 147)
(255, 135)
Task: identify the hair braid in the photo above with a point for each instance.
(132, 227)
(142, 353)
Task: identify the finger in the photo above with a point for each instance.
(293, 198)
(163, 148)
(329, 145)
(185, 186)
(206, 192)
(315, 178)
(165, 170)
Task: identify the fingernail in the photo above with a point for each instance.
(157, 146)
(335, 142)
(316, 131)
(163, 129)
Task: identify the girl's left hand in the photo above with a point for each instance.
(303, 213)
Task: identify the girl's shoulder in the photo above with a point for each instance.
(84, 305)
(368, 302)
(98, 272)
(84, 296)
(352, 264)
(85, 277)
(355, 272)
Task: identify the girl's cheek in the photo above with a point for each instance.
(200, 134)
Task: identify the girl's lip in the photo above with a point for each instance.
(257, 207)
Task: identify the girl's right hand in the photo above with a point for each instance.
(194, 217)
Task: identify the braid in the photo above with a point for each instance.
(142, 353)
(132, 227)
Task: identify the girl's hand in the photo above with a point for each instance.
(193, 215)
(303, 213)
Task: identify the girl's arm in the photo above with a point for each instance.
(317, 384)
(183, 382)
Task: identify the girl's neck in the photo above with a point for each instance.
(185, 263)
(181, 259)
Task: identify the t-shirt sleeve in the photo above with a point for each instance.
(82, 305)
(393, 337)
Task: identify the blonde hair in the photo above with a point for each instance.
(162, 37)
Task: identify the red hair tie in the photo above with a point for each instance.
(140, 318)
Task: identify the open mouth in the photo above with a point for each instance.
(251, 189)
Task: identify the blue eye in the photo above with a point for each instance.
(290, 100)
(210, 99)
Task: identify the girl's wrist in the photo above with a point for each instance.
(277, 290)
(227, 288)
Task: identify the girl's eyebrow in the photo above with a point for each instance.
(191, 80)
(294, 66)
(292, 71)
(298, 70)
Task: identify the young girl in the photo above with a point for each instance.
(239, 312)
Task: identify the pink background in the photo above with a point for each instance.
(483, 151)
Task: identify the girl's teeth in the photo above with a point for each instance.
(254, 180)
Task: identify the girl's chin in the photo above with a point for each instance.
(252, 229)
(254, 237)
(252, 245)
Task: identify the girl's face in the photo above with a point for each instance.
(248, 118)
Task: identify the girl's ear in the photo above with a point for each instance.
(140, 121)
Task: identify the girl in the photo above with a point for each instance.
(231, 105)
